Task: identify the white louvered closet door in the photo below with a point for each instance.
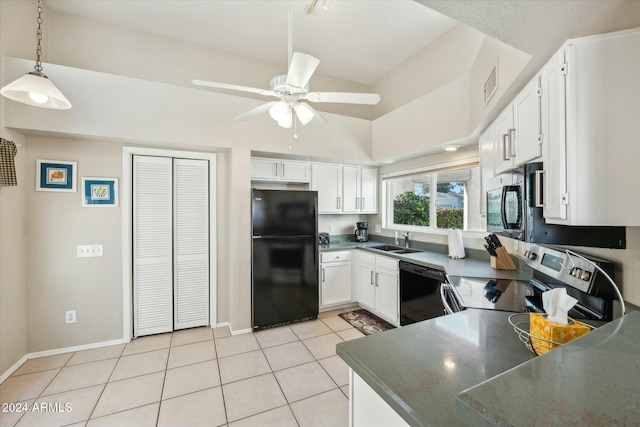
(191, 243)
(152, 245)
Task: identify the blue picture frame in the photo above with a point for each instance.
(99, 192)
(56, 175)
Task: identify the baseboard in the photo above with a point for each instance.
(222, 325)
(241, 331)
(13, 368)
(57, 351)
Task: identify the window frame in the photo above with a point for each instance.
(387, 199)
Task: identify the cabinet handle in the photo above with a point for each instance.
(357, 203)
(362, 203)
(323, 274)
(275, 166)
(372, 277)
(539, 200)
(283, 170)
(512, 142)
(338, 198)
(506, 155)
(377, 279)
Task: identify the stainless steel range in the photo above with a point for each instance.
(552, 268)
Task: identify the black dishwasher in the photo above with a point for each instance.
(420, 293)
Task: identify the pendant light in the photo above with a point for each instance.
(35, 88)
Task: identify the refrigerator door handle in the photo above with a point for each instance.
(256, 237)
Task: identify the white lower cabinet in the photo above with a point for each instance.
(335, 278)
(377, 283)
(367, 408)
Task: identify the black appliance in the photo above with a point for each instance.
(514, 210)
(419, 292)
(284, 270)
(552, 268)
(362, 232)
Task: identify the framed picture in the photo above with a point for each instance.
(99, 192)
(55, 175)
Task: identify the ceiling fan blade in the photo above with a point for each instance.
(301, 68)
(317, 119)
(232, 87)
(256, 111)
(344, 97)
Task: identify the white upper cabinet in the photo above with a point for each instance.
(552, 109)
(518, 130)
(591, 111)
(345, 189)
(359, 189)
(527, 143)
(487, 164)
(326, 179)
(275, 170)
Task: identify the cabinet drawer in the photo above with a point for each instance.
(386, 262)
(366, 257)
(335, 256)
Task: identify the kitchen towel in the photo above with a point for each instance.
(8, 151)
(456, 247)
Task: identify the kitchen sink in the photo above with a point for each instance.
(395, 249)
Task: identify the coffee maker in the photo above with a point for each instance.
(362, 233)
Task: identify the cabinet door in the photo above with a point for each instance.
(504, 136)
(526, 121)
(327, 181)
(368, 408)
(487, 164)
(369, 190)
(292, 171)
(335, 281)
(387, 294)
(264, 169)
(553, 102)
(351, 189)
(366, 286)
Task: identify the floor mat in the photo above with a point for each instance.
(366, 322)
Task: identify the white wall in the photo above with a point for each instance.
(424, 124)
(14, 332)
(56, 222)
(13, 261)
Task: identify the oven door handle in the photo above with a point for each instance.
(443, 290)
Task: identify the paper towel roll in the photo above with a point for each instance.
(456, 247)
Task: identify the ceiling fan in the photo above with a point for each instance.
(292, 90)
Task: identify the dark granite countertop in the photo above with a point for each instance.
(434, 256)
(419, 369)
(591, 381)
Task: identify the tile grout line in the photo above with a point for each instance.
(224, 400)
(95, 405)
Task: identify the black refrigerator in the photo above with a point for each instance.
(284, 257)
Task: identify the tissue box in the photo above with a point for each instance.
(540, 327)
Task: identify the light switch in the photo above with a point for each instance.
(85, 251)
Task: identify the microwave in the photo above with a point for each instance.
(515, 209)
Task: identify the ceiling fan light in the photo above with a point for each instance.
(304, 112)
(37, 90)
(287, 119)
(278, 110)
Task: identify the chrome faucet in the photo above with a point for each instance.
(406, 239)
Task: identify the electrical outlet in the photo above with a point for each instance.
(70, 316)
(331, 229)
(515, 245)
(378, 228)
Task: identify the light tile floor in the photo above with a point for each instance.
(286, 376)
